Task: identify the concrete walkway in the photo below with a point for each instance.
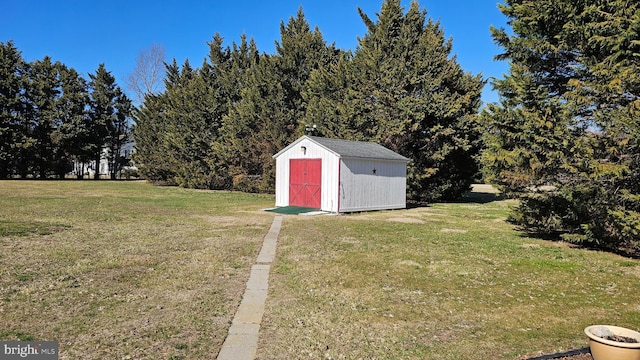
(242, 341)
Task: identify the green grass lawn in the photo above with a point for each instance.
(117, 270)
(125, 270)
(449, 281)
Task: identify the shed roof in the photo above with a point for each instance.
(352, 149)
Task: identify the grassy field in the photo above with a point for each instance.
(449, 281)
(125, 270)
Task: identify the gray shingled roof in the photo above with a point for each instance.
(358, 149)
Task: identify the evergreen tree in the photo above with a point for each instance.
(240, 145)
(271, 112)
(193, 109)
(612, 87)
(43, 125)
(72, 132)
(42, 92)
(119, 133)
(101, 112)
(11, 87)
(564, 137)
(299, 53)
(246, 129)
(188, 127)
(109, 112)
(233, 69)
(327, 95)
(149, 135)
(411, 95)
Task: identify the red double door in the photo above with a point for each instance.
(305, 177)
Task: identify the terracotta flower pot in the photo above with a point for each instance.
(603, 349)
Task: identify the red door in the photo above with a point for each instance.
(304, 182)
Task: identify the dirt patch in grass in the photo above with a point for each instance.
(227, 220)
(531, 246)
(455, 231)
(406, 220)
(410, 263)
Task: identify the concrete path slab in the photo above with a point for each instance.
(242, 341)
(268, 251)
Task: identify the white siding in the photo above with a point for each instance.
(348, 184)
(362, 189)
(329, 185)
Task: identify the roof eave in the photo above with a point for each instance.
(405, 160)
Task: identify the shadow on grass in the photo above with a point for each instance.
(21, 228)
(481, 197)
(578, 354)
(624, 251)
(479, 194)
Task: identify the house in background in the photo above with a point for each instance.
(105, 168)
(340, 176)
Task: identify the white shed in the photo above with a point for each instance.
(340, 176)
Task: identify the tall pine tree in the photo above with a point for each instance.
(44, 122)
(42, 92)
(410, 94)
(564, 137)
(191, 128)
(271, 112)
(148, 133)
(12, 69)
(109, 113)
(232, 77)
(72, 132)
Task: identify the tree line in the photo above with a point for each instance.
(564, 139)
(217, 126)
(52, 118)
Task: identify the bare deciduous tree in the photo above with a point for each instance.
(148, 74)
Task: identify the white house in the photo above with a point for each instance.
(87, 170)
(340, 176)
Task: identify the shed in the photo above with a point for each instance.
(340, 176)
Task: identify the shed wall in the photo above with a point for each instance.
(363, 189)
(329, 182)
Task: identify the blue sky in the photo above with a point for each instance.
(84, 33)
